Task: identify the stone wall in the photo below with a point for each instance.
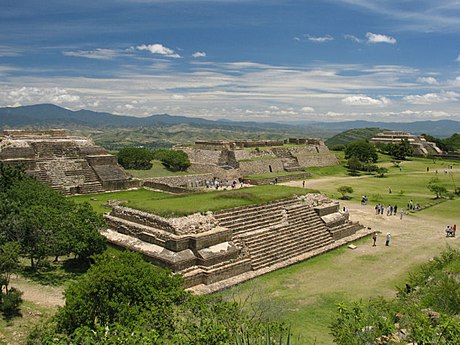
(56, 133)
(186, 181)
(261, 166)
(318, 160)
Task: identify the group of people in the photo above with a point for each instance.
(451, 230)
(364, 200)
(390, 210)
(413, 206)
(217, 183)
(387, 239)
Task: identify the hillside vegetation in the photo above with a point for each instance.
(351, 135)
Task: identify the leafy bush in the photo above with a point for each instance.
(135, 158)
(344, 190)
(426, 308)
(174, 160)
(10, 302)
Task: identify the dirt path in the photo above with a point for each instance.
(49, 296)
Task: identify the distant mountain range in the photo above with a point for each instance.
(52, 116)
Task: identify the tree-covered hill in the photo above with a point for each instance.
(351, 135)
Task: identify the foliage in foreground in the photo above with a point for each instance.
(125, 300)
(43, 222)
(425, 311)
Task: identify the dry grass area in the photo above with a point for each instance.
(306, 295)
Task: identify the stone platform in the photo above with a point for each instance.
(72, 165)
(219, 249)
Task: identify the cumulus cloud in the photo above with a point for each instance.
(30, 95)
(99, 54)
(319, 39)
(365, 100)
(431, 98)
(307, 110)
(178, 97)
(159, 49)
(379, 38)
(199, 54)
(428, 80)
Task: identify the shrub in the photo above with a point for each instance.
(135, 158)
(10, 303)
(174, 160)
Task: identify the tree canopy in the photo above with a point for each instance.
(174, 160)
(362, 150)
(44, 222)
(135, 158)
(124, 300)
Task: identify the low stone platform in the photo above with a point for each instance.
(215, 250)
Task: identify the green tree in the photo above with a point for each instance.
(45, 223)
(174, 160)
(10, 299)
(9, 262)
(362, 150)
(121, 289)
(344, 190)
(434, 187)
(135, 158)
(400, 151)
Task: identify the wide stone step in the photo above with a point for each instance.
(234, 221)
(275, 244)
(291, 251)
(244, 210)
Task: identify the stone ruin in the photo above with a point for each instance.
(219, 249)
(238, 158)
(420, 145)
(73, 165)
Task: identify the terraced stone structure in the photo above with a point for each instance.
(240, 158)
(216, 250)
(420, 145)
(73, 165)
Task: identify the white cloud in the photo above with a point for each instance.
(307, 109)
(199, 54)
(28, 95)
(365, 100)
(379, 38)
(431, 98)
(178, 97)
(319, 39)
(458, 58)
(428, 80)
(353, 38)
(159, 49)
(99, 54)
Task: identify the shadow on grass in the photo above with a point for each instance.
(56, 273)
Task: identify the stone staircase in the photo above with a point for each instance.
(291, 164)
(277, 231)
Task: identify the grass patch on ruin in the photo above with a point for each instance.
(178, 205)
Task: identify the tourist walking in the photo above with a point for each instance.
(374, 238)
(388, 238)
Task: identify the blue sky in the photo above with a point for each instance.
(270, 60)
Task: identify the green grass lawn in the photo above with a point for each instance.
(178, 205)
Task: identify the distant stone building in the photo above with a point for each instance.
(419, 144)
(73, 165)
(239, 158)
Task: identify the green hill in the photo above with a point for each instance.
(352, 135)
